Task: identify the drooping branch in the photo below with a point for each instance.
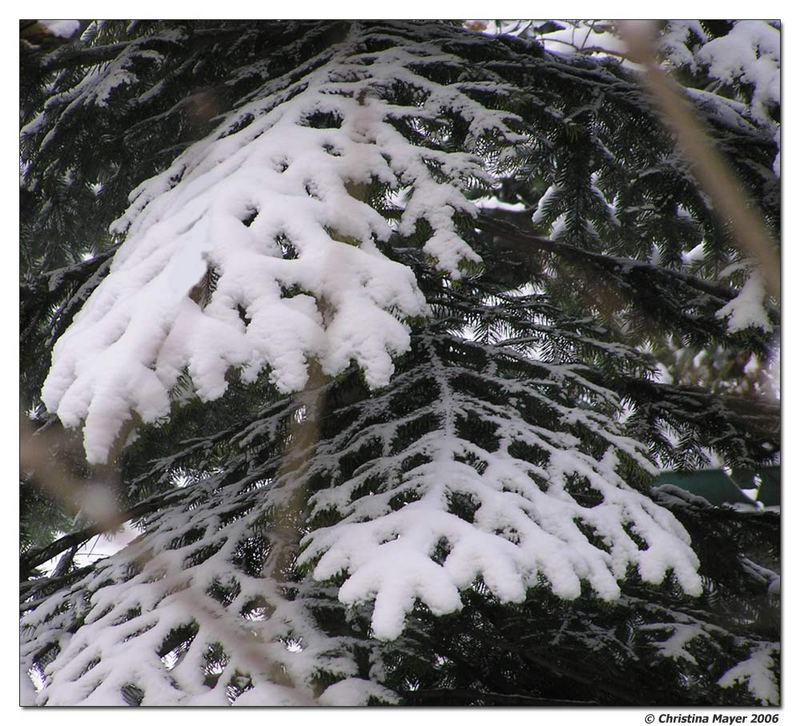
(512, 237)
(747, 429)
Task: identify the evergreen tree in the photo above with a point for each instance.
(382, 355)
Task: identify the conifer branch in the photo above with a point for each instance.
(31, 559)
(511, 236)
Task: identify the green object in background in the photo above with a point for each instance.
(718, 487)
(769, 494)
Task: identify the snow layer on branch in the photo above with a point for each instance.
(747, 309)
(526, 503)
(756, 673)
(187, 614)
(356, 692)
(526, 529)
(677, 39)
(750, 55)
(96, 87)
(256, 249)
(744, 63)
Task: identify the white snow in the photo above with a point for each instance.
(129, 603)
(747, 308)
(749, 54)
(675, 42)
(143, 327)
(756, 673)
(545, 201)
(202, 284)
(681, 635)
(521, 535)
(495, 203)
(61, 28)
(695, 255)
(355, 692)
(745, 63)
(27, 691)
(586, 37)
